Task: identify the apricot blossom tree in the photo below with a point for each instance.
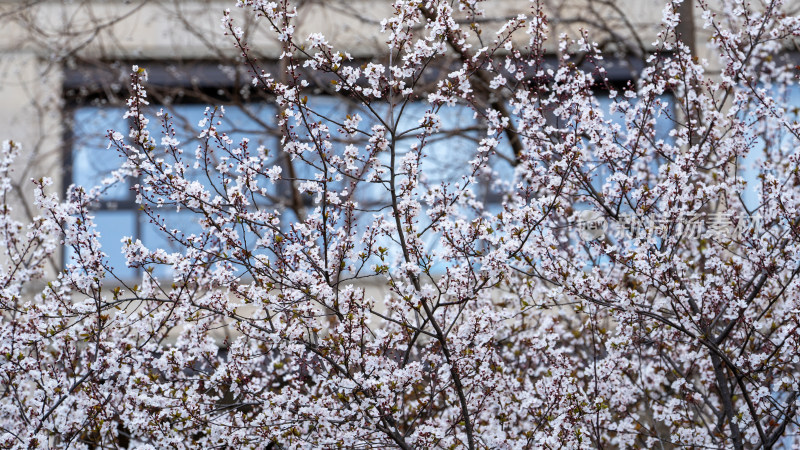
(587, 263)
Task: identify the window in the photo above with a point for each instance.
(117, 215)
(96, 98)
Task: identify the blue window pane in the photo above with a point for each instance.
(781, 144)
(446, 153)
(92, 160)
(254, 122)
(113, 227)
(449, 151)
(749, 171)
(176, 225)
(600, 170)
